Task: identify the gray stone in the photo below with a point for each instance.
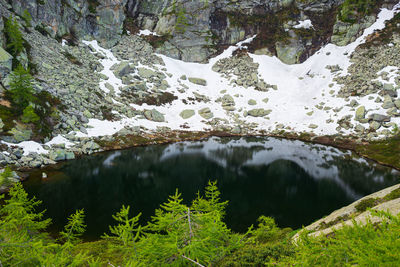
(146, 73)
(1, 125)
(236, 130)
(259, 112)
(187, 113)
(69, 155)
(396, 102)
(252, 102)
(20, 133)
(374, 125)
(154, 115)
(206, 113)
(360, 113)
(122, 69)
(5, 63)
(57, 155)
(198, 81)
(313, 126)
(379, 118)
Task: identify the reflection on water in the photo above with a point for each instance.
(292, 181)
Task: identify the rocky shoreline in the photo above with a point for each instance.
(58, 153)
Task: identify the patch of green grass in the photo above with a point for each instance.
(384, 151)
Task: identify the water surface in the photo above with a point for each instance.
(291, 181)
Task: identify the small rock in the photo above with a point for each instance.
(360, 113)
(187, 113)
(198, 81)
(252, 102)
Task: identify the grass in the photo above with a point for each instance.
(385, 152)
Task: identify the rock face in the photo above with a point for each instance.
(101, 19)
(5, 63)
(195, 30)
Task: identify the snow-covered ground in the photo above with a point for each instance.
(300, 88)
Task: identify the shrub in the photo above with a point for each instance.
(29, 115)
(354, 245)
(352, 10)
(26, 16)
(5, 176)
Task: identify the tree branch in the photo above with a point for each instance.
(190, 225)
(195, 262)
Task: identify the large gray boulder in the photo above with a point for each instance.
(5, 63)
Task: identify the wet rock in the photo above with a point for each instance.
(57, 155)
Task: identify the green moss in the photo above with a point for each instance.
(392, 195)
(366, 203)
(353, 10)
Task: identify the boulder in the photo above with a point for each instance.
(57, 155)
(252, 102)
(187, 113)
(198, 81)
(20, 133)
(122, 69)
(259, 112)
(206, 113)
(360, 113)
(5, 63)
(154, 115)
(146, 73)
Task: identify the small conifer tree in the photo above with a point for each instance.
(21, 87)
(15, 42)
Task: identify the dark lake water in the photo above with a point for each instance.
(291, 181)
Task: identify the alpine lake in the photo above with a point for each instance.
(292, 181)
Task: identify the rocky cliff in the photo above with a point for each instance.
(196, 30)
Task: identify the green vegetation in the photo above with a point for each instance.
(21, 88)
(181, 235)
(26, 16)
(352, 10)
(5, 176)
(15, 42)
(366, 204)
